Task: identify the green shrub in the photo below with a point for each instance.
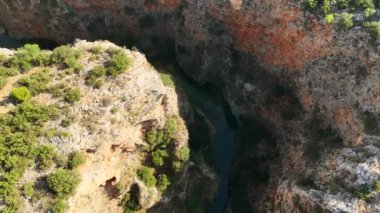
(28, 189)
(130, 203)
(98, 84)
(76, 159)
(3, 58)
(36, 83)
(167, 80)
(19, 130)
(26, 57)
(183, 153)
(326, 6)
(3, 81)
(310, 5)
(373, 29)
(46, 155)
(94, 74)
(177, 166)
(65, 56)
(96, 49)
(118, 63)
(345, 20)
(63, 182)
(159, 156)
(59, 206)
(342, 4)
(330, 18)
(146, 174)
(369, 12)
(163, 182)
(8, 71)
(20, 94)
(363, 193)
(376, 186)
(57, 89)
(73, 96)
(66, 122)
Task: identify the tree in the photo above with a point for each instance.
(63, 182)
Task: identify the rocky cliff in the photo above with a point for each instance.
(314, 86)
(91, 128)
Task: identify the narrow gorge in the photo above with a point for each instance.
(276, 101)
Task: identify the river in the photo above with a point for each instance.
(209, 99)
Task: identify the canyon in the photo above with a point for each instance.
(305, 94)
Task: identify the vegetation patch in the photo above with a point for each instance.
(344, 11)
(167, 80)
(63, 182)
(73, 95)
(20, 94)
(119, 62)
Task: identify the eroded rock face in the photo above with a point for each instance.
(274, 62)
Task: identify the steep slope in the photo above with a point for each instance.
(314, 86)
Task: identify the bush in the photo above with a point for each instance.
(26, 57)
(96, 49)
(330, 18)
(73, 96)
(363, 193)
(76, 159)
(183, 153)
(158, 157)
(119, 62)
(65, 56)
(19, 131)
(376, 186)
(20, 94)
(28, 189)
(369, 12)
(130, 203)
(7, 72)
(345, 20)
(342, 4)
(310, 5)
(63, 182)
(177, 165)
(59, 206)
(146, 174)
(3, 81)
(167, 80)
(46, 155)
(98, 84)
(163, 182)
(373, 29)
(94, 74)
(3, 58)
(36, 83)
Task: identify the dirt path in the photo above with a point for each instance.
(6, 90)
